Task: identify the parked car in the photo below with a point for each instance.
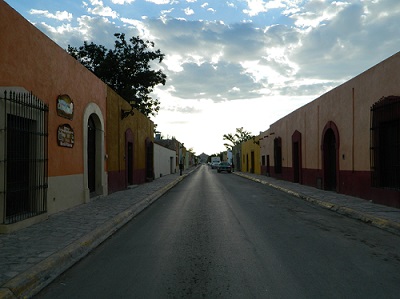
(224, 166)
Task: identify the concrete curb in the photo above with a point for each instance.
(30, 282)
(381, 223)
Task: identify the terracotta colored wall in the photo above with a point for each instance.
(29, 59)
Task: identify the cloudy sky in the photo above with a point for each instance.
(235, 63)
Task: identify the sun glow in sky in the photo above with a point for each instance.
(237, 63)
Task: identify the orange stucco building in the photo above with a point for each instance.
(54, 123)
(65, 136)
(346, 141)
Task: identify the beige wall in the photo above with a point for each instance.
(348, 107)
(351, 114)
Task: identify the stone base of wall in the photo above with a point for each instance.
(117, 179)
(353, 183)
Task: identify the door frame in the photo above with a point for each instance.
(326, 155)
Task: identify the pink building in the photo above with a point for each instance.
(346, 141)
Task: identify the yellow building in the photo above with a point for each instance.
(250, 151)
(130, 144)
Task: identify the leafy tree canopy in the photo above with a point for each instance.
(126, 69)
(240, 136)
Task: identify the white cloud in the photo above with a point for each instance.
(58, 30)
(188, 11)
(227, 65)
(256, 7)
(59, 15)
(122, 2)
(101, 10)
(174, 63)
(160, 2)
(140, 26)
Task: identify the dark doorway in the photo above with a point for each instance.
(19, 148)
(330, 159)
(91, 155)
(129, 161)
(171, 165)
(296, 163)
(252, 162)
(296, 157)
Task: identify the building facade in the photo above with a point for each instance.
(250, 159)
(130, 142)
(346, 141)
(164, 161)
(52, 126)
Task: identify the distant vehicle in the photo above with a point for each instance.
(214, 162)
(224, 166)
(214, 165)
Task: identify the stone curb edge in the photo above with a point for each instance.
(381, 223)
(30, 282)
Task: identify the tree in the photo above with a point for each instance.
(240, 136)
(126, 69)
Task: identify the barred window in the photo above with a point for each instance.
(385, 143)
(23, 156)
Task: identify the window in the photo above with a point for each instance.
(385, 143)
(23, 137)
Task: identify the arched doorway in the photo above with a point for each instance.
(94, 178)
(91, 155)
(330, 149)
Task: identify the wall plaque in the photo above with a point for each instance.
(65, 136)
(65, 106)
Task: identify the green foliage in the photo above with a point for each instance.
(126, 69)
(240, 136)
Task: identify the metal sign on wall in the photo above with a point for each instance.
(65, 136)
(65, 106)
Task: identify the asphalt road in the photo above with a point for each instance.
(222, 236)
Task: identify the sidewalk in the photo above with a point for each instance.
(31, 258)
(381, 216)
